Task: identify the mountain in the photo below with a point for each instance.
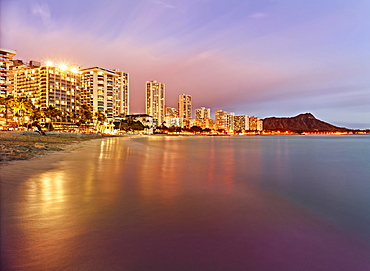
(303, 122)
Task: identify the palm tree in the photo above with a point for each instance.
(85, 114)
(100, 119)
(51, 112)
(35, 114)
(6, 103)
(22, 107)
(30, 110)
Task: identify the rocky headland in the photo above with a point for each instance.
(303, 122)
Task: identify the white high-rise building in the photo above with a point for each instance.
(241, 123)
(105, 91)
(220, 120)
(230, 122)
(185, 108)
(255, 123)
(6, 61)
(171, 112)
(45, 85)
(203, 113)
(155, 100)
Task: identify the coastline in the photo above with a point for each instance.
(24, 145)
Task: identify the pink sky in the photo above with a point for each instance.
(263, 58)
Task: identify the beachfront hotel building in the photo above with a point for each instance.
(184, 106)
(172, 117)
(171, 112)
(155, 100)
(6, 61)
(203, 113)
(241, 123)
(230, 122)
(105, 91)
(184, 109)
(204, 123)
(220, 120)
(255, 123)
(56, 85)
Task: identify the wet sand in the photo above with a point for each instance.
(26, 145)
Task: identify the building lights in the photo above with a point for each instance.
(63, 67)
(74, 69)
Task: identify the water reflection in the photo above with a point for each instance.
(189, 203)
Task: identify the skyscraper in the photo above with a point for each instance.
(6, 57)
(121, 103)
(220, 120)
(230, 122)
(155, 100)
(46, 85)
(184, 106)
(105, 91)
(255, 123)
(171, 112)
(185, 109)
(241, 123)
(203, 113)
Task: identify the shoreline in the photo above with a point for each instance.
(24, 145)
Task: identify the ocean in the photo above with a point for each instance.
(191, 203)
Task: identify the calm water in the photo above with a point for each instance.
(191, 203)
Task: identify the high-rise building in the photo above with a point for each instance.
(241, 123)
(171, 112)
(220, 120)
(184, 106)
(255, 124)
(105, 91)
(203, 113)
(260, 125)
(204, 123)
(155, 100)
(172, 117)
(230, 122)
(121, 97)
(46, 85)
(6, 61)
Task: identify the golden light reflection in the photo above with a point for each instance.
(162, 157)
(49, 218)
(228, 168)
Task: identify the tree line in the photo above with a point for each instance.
(22, 111)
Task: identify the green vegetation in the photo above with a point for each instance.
(20, 111)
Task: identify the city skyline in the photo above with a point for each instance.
(264, 58)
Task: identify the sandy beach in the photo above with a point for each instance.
(26, 145)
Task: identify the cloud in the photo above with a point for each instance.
(256, 67)
(163, 4)
(258, 15)
(42, 10)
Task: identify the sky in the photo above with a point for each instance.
(255, 57)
